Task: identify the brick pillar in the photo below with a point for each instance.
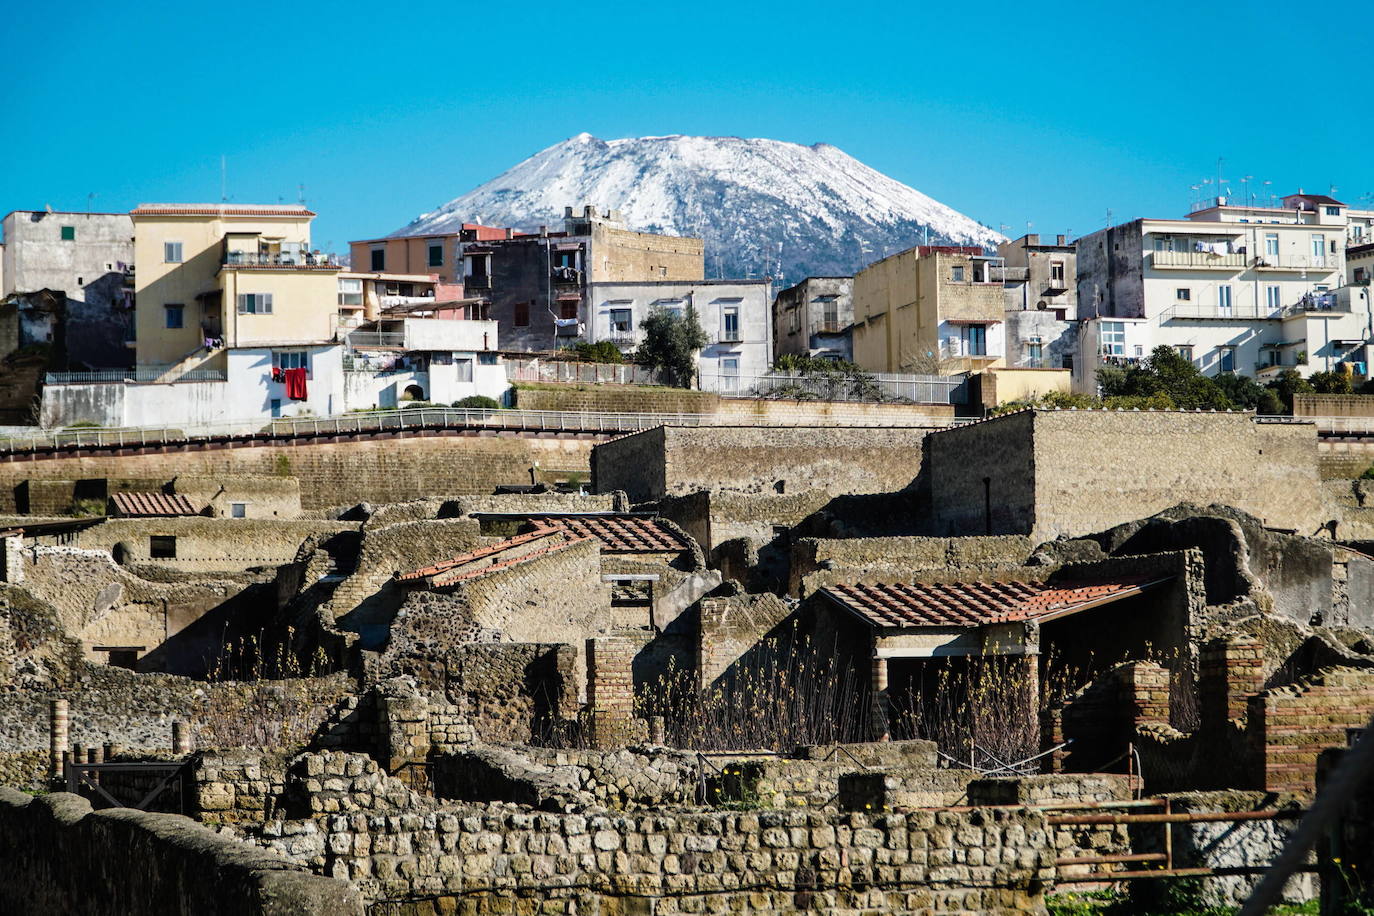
(1145, 693)
(1230, 671)
(404, 724)
(881, 729)
(58, 726)
(181, 738)
(611, 690)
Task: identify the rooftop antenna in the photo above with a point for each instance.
(223, 179)
(1109, 217)
(1245, 184)
(90, 202)
(300, 188)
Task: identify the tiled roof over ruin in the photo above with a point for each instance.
(620, 533)
(149, 505)
(971, 604)
(489, 559)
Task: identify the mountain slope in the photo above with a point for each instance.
(759, 204)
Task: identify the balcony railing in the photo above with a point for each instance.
(256, 259)
(1317, 302)
(477, 282)
(144, 374)
(831, 327)
(1295, 262)
(1199, 259)
(379, 339)
(566, 275)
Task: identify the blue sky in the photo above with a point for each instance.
(1048, 113)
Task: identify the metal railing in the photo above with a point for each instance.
(254, 259)
(145, 374)
(392, 339)
(1229, 260)
(1349, 426)
(416, 418)
(1243, 310)
(519, 369)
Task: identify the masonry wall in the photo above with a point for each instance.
(615, 399)
(206, 544)
(982, 477)
(333, 474)
(1288, 727)
(838, 556)
(62, 857)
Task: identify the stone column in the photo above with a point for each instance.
(57, 734)
(181, 738)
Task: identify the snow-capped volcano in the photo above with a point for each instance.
(761, 205)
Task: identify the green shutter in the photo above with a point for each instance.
(69, 233)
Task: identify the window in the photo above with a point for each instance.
(522, 314)
(379, 259)
(238, 510)
(976, 340)
(174, 315)
(1035, 354)
(1057, 271)
(462, 369)
(69, 233)
(436, 254)
(1318, 249)
(1272, 298)
(1226, 359)
(1186, 352)
(1224, 301)
(171, 252)
(830, 306)
(1183, 294)
(1271, 244)
(622, 321)
(729, 323)
(255, 303)
(957, 274)
(729, 373)
(1113, 338)
(1333, 211)
(162, 547)
(486, 359)
(350, 291)
(1361, 275)
(476, 265)
(291, 359)
(567, 309)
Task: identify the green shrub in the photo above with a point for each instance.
(603, 351)
(478, 402)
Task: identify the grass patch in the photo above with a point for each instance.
(1113, 903)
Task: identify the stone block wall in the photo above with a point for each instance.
(62, 857)
(615, 399)
(858, 555)
(1288, 727)
(332, 474)
(1102, 718)
(514, 692)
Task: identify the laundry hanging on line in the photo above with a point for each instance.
(295, 384)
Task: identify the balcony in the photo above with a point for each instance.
(1317, 302)
(476, 281)
(1239, 312)
(1325, 263)
(566, 276)
(377, 340)
(831, 327)
(1195, 260)
(622, 339)
(301, 260)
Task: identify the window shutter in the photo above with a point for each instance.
(267, 303)
(243, 303)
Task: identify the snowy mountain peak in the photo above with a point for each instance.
(764, 207)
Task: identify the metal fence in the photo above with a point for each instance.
(871, 387)
(414, 418)
(144, 374)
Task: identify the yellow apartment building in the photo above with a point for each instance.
(212, 277)
(930, 309)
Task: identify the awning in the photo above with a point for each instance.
(569, 297)
(971, 320)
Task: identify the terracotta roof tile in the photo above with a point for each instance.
(472, 556)
(153, 504)
(620, 533)
(971, 604)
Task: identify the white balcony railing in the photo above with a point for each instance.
(1199, 259)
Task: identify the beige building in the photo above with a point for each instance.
(211, 277)
(930, 309)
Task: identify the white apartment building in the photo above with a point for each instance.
(1244, 289)
(735, 314)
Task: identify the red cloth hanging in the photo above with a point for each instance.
(295, 384)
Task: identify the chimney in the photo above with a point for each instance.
(1032, 238)
(510, 233)
(567, 212)
(1061, 239)
(543, 232)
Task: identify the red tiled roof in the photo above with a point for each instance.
(971, 604)
(212, 210)
(471, 556)
(620, 533)
(153, 504)
(459, 575)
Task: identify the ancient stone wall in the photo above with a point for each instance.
(205, 544)
(513, 691)
(332, 474)
(614, 399)
(860, 555)
(982, 477)
(62, 857)
(1288, 727)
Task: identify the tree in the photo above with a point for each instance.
(671, 342)
(1330, 382)
(1288, 384)
(1164, 379)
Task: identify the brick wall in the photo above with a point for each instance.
(1288, 727)
(1103, 717)
(333, 474)
(611, 689)
(1229, 671)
